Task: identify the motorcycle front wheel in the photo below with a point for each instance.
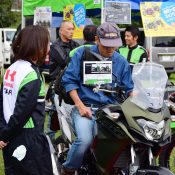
(167, 157)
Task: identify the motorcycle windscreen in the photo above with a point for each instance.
(149, 85)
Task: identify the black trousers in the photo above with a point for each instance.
(37, 160)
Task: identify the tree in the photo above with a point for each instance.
(7, 17)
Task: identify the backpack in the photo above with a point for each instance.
(59, 89)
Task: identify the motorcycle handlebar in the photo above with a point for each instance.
(118, 91)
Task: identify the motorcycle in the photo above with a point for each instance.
(130, 134)
(167, 157)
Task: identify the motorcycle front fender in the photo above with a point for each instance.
(154, 170)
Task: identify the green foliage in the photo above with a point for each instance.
(7, 17)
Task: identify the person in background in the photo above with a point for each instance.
(25, 146)
(85, 99)
(59, 56)
(89, 36)
(60, 49)
(132, 51)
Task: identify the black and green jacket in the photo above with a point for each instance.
(29, 104)
(134, 54)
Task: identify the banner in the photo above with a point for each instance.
(77, 14)
(56, 5)
(158, 18)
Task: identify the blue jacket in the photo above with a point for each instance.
(72, 80)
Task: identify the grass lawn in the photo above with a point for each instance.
(172, 163)
(172, 78)
(1, 164)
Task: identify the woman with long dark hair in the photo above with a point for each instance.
(25, 147)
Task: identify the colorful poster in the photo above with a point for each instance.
(158, 18)
(56, 5)
(97, 72)
(77, 14)
(43, 16)
(68, 13)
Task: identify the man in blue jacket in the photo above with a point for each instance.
(85, 99)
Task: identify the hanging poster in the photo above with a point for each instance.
(43, 16)
(117, 12)
(97, 2)
(158, 18)
(77, 14)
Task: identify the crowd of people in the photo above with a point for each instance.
(22, 108)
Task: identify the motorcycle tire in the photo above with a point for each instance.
(166, 159)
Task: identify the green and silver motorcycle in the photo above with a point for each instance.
(131, 134)
(167, 157)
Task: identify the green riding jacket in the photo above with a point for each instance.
(134, 54)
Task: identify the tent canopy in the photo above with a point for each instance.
(56, 5)
(91, 8)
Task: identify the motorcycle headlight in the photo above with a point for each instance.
(153, 130)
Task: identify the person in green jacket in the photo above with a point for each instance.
(89, 36)
(132, 51)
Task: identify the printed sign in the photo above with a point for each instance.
(43, 16)
(77, 14)
(117, 12)
(97, 72)
(158, 18)
(96, 1)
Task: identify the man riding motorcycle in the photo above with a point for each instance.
(85, 99)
